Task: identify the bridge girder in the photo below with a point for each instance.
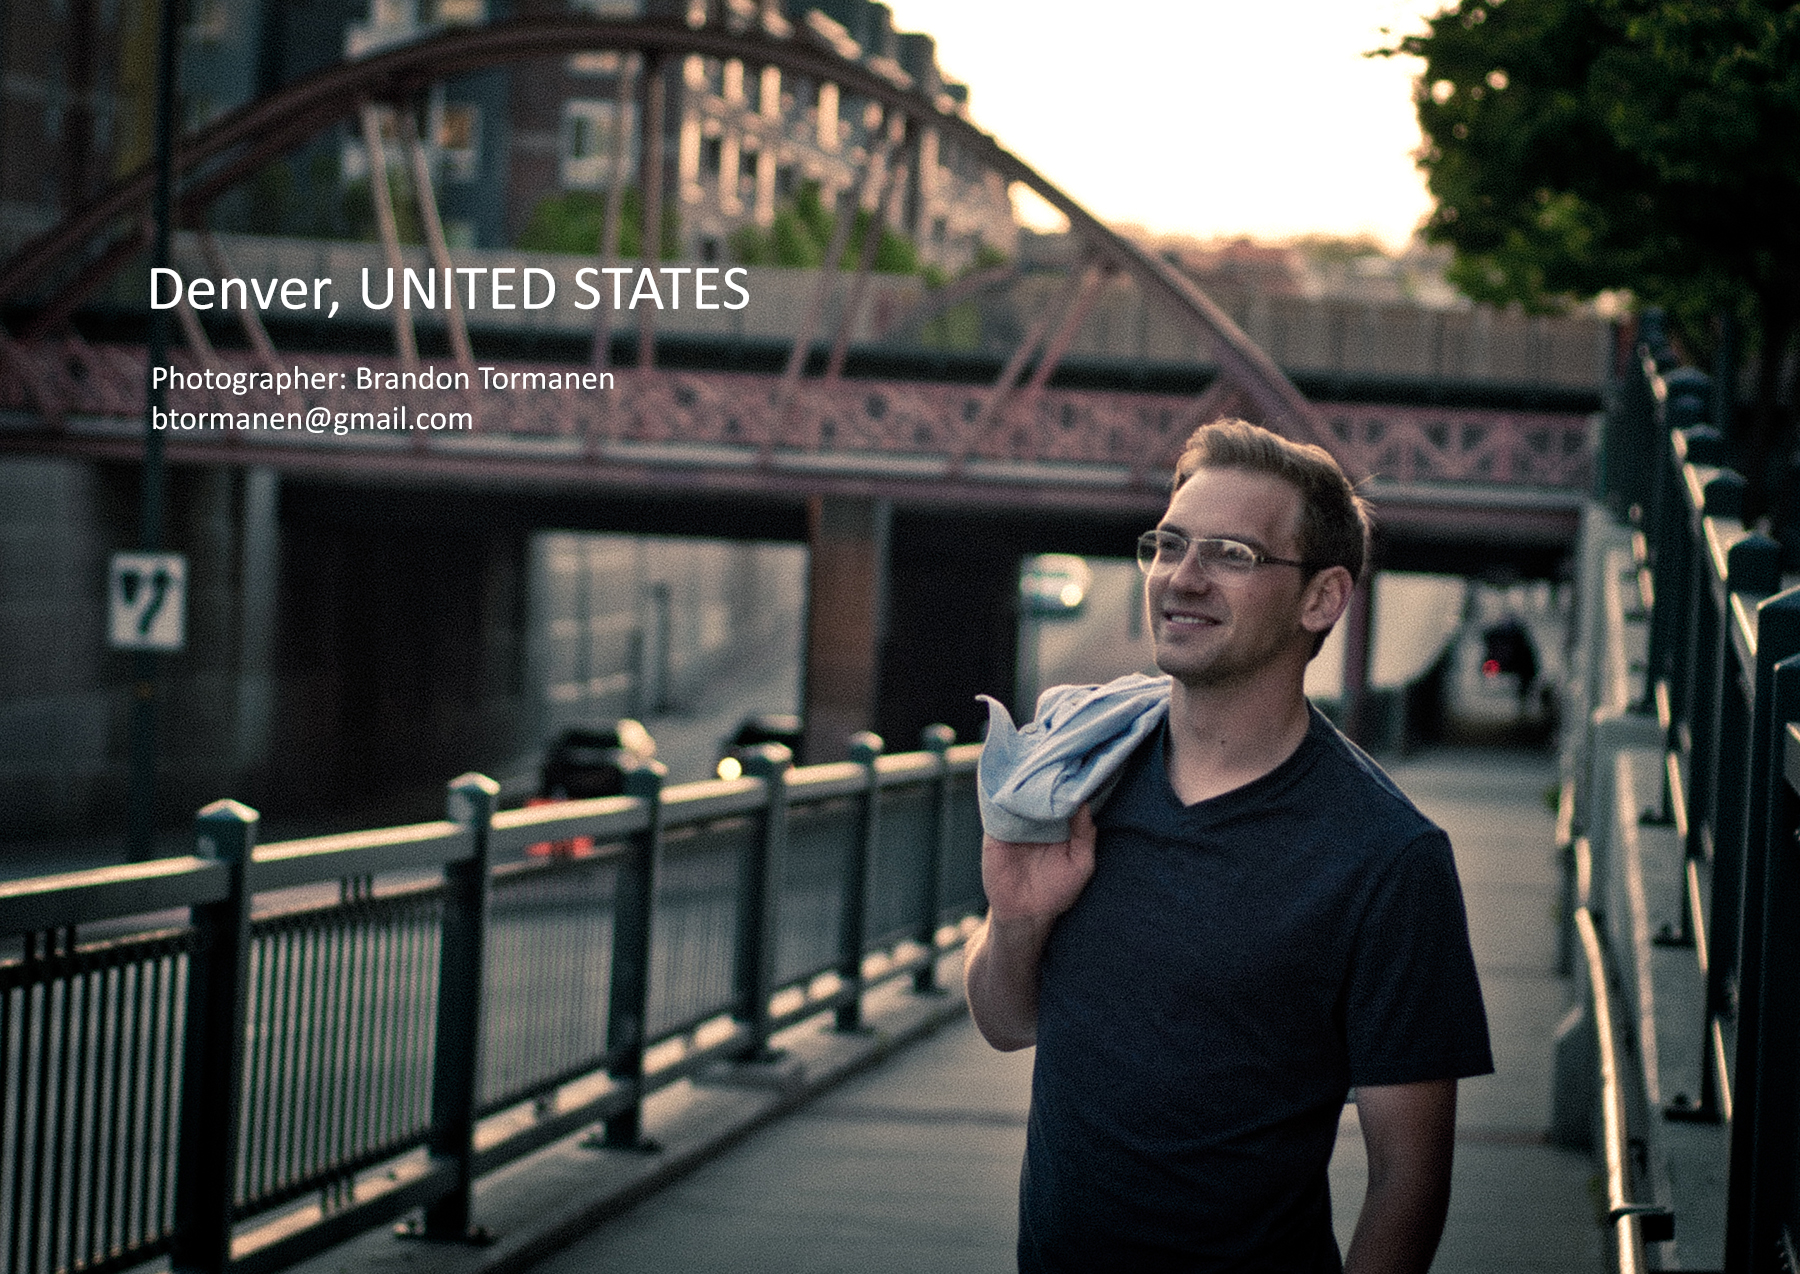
(230, 149)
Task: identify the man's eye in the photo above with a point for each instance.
(1231, 553)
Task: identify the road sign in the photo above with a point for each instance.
(147, 601)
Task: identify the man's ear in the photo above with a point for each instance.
(1326, 598)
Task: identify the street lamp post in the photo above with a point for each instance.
(146, 688)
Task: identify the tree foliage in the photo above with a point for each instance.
(1580, 146)
(801, 233)
(572, 221)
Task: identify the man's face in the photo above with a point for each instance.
(1214, 627)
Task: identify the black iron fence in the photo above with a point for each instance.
(1721, 680)
(239, 1058)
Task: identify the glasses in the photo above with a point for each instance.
(1166, 550)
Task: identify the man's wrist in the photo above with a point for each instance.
(1019, 931)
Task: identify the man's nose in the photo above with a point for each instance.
(1190, 573)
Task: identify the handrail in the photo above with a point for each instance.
(265, 1006)
(1622, 1212)
(1722, 692)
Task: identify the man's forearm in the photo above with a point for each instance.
(1409, 1131)
(1398, 1229)
(1000, 977)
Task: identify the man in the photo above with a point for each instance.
(1252, 922)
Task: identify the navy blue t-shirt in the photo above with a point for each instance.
(1231, 971)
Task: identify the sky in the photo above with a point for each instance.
(1206, 117)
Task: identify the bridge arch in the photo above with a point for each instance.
(854, 506)
(224, 153)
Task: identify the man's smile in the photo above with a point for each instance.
(1189, 619)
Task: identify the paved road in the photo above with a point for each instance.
(914, 1167)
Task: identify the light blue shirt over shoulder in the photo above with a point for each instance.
(1032, 779)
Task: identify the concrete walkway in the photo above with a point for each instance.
(914, 1166)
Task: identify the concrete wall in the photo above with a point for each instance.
(625, 625)
(65, 698)
(1325, 335)
(344, 660)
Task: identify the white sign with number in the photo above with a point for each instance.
(147, 601)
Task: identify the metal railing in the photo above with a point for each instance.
(1722, 678)
(239, 1058)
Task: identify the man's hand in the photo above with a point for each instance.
(1410, 1132)
(1026, 881)
(1028, 886)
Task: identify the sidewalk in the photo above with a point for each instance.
(913, 1167)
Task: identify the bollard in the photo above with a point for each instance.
(629, 995)
(937, 740)
(859, 850)
(456, 1075)
(759, 901)
(213, 1044)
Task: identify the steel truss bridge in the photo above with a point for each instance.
(1469, 471)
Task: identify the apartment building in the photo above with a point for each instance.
(741, 141)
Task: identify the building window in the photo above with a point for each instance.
(458, 139)
(454, 12)
(590, 139)
(747, 163)
(209, 21)
(597, 62)
(712, 156)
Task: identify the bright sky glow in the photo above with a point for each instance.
(1209, 117)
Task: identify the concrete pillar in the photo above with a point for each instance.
(952, 626)
(846, 619)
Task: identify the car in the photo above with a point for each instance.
(582, 763)
(765, 727)
(587, 761)
(1508, 651)
(1054, 585)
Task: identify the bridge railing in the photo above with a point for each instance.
(1718, 693)
(239, 1058)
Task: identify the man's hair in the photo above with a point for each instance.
(1334, 520)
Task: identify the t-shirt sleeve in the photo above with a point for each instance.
(1412, 1006)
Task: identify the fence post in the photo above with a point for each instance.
(456, 1073)
(1722, 497)
(1680, 578)
(1668, 538)
(1762, 1169)
(634, 903)
(759, 900)
(1777, 642)
(853, 911)
(213, 1048)
(1628, 443)
(936, 740)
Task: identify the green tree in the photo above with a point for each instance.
(801, 232)
(571, 222)
(1580, 146)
